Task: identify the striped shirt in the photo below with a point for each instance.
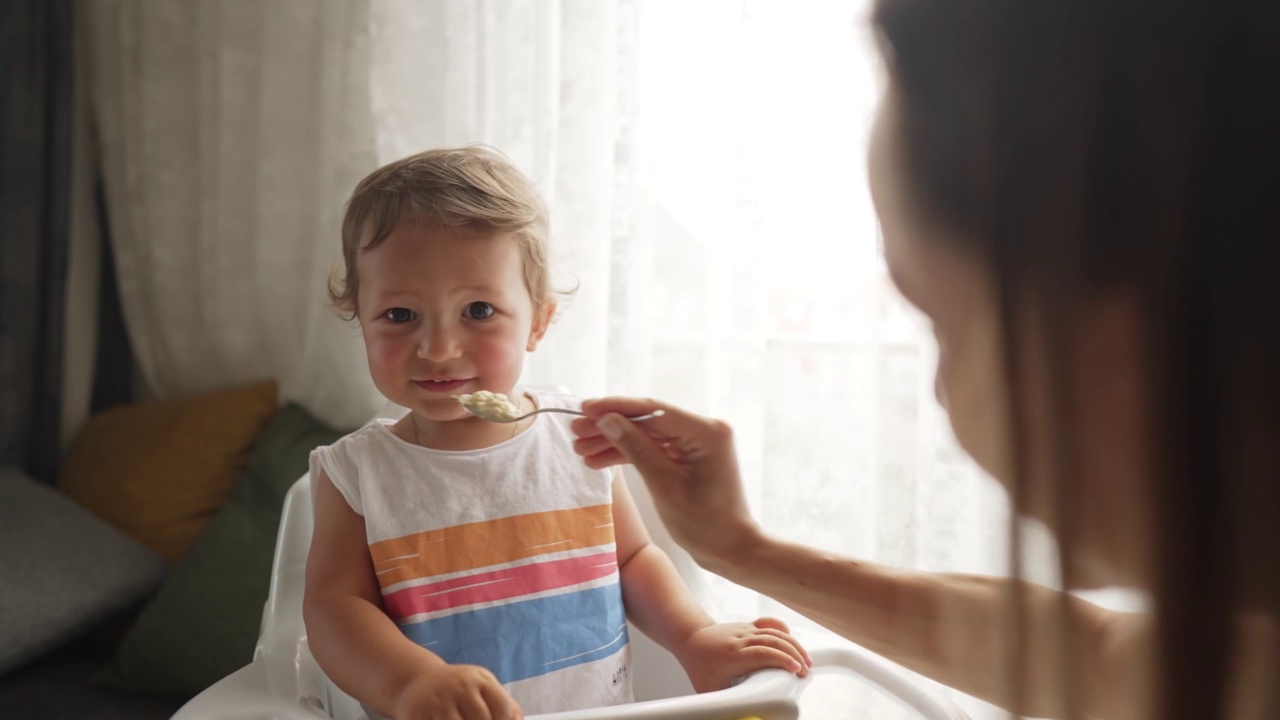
(502, 557)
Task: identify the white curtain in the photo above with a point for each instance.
(704, 162)
(766, 300)
(232, 132)
(766, 297)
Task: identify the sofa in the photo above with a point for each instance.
(139, 578)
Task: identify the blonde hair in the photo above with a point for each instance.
(473, 187)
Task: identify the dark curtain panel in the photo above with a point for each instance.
(113, 363)
(36, 66)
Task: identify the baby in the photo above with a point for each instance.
(462, 568)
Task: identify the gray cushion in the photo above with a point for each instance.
(62, 570)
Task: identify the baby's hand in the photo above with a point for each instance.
(456, 692)
(718, 654)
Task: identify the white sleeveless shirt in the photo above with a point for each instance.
(502, 557)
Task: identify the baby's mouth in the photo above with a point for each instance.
(442, 385)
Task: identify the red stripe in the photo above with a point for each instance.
(499, 584)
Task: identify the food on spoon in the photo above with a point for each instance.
(489, 405)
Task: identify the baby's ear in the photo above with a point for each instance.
(541, 322)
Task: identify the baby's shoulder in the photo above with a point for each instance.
(556, 398)
(373, 436)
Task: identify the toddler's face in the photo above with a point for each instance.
(444, 311)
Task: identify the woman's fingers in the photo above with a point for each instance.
(640, 449)
(606, 434)
(674, 422)
(687, 461)
(585, 427)
(588, 446)
(607, 459)
(629, 406)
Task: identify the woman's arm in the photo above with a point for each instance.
(360, 648)
(952, 628)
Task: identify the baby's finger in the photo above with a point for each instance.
(501, 705)
(790, 639)
(759, 657)
(472, 705)
(773, 623)
(784, 645)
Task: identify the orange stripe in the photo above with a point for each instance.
(491, 542)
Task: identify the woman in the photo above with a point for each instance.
(1081, 195)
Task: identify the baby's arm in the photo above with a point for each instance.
(361, 649)
(661, 605)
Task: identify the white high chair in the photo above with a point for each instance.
(284, 682)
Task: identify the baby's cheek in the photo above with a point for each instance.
(386, 357)
(382, 351)
(500, 358)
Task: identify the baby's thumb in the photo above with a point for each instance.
(634, 443)
(771, 623)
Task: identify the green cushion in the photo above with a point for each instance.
(203, 624)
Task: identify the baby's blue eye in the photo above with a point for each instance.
(479, 311)
(399, 315)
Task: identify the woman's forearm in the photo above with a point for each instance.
(951, 628)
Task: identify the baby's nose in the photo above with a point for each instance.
(438, 345)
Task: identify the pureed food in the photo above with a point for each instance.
(489, 405)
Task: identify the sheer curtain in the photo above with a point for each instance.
(232, 132)
(230, 135)
(705, 166)
(765, 298)
(745, 280)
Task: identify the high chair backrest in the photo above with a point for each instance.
(293, 673)
(282, 640)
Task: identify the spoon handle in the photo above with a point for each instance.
(567, 411)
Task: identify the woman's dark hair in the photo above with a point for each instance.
(1087, 146)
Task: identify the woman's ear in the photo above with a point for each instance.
(541, 322)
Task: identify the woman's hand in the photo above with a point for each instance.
(688, 462)
(717, 655)
(456, 692)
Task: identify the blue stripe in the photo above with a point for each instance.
(529, 638)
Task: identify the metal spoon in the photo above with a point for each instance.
(479, 412)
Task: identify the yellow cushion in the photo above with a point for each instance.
(160, 470)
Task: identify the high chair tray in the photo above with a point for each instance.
(768, 695)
